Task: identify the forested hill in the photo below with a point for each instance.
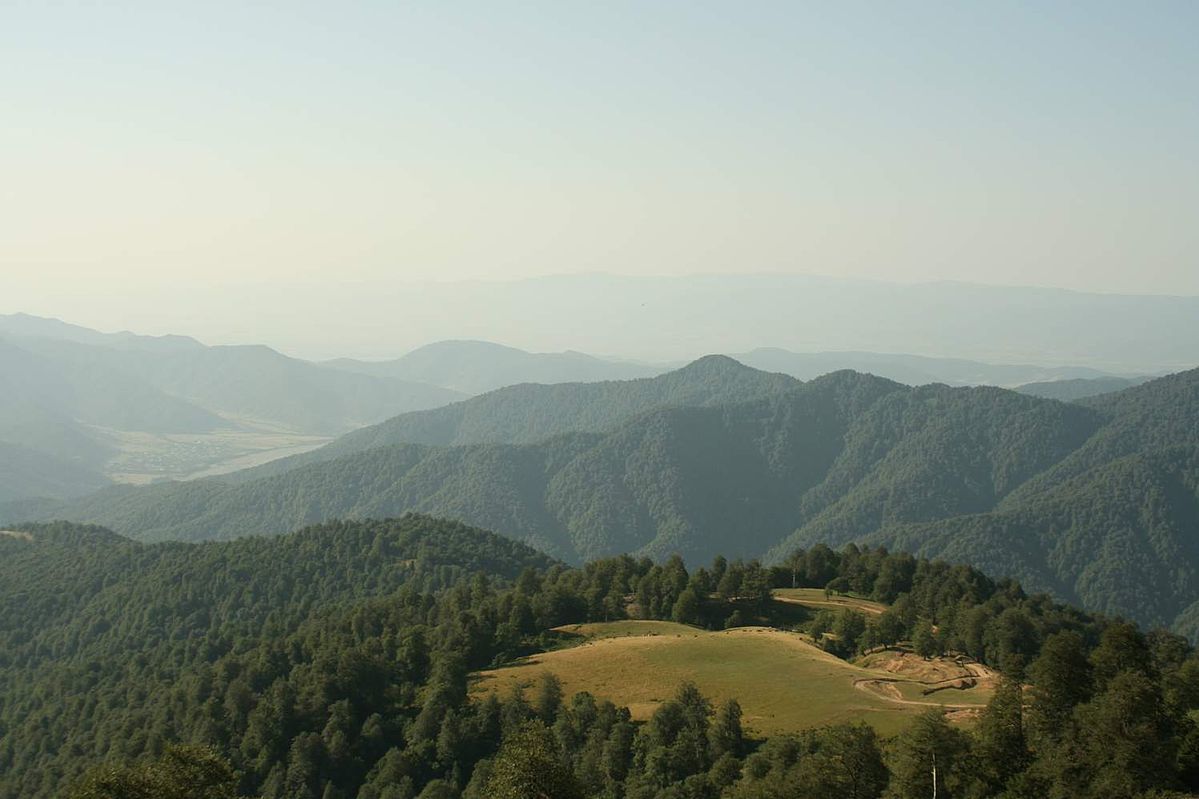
(1093, 500)
(528, 413)
(841, 454)
(77, 580)
(89, 614)
(1114, 525)
(1147, 418)
(339, 662)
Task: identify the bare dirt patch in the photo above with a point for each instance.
(940, 671)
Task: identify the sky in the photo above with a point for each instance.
(156, 157)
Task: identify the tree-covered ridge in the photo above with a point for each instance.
(672, 480)
(843, 453)
(302, 694)
(1112, 526)
(1160, 414)
(104, 616)
(81, 578)
(528, 413)
(1078, 388)
(1120, 538)
(1091, 500)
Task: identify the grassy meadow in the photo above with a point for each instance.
(815, 599)
(783, 682)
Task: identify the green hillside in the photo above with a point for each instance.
(1112, 526)
(676, 479)
(1092, 500)
(138, 627)
(1069, 390)
(524, 414)
(362, 659)
(844, 452)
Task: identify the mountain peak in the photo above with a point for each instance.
(463, 346)
(716, 364)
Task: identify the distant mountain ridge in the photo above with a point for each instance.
(111, 402)
(475, 367)
(913, 370)
(1069, 390)
(525, 414)
(79, 397)
(672, 319)
(24, 325)
(1093, 500)
(253, 381)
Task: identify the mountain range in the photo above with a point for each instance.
(917, 370)
(87, 408)
(202, 387)
(675, 318)
(1095, 500)
(475, 367)
(92, 402)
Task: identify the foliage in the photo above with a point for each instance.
(335, 663)
(182, 772)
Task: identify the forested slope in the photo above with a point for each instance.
(336, 662)
(524, 414)
(1113, 526)
(94, 623)
(1093, 500)
(844, 452)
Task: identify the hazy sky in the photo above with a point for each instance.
(155, 149)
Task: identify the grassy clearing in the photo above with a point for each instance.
(782, 681)
(814, 598)
(623, 629)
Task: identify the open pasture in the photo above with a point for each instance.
(783, 682)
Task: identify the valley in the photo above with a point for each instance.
(144, 457)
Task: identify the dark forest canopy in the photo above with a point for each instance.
(335, 661)
(1096, 501)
